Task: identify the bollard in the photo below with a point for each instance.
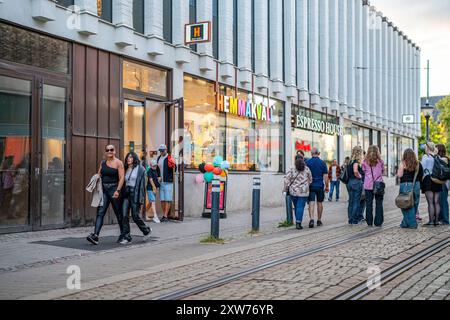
(256, 203)
(215, 215)
(289, 210)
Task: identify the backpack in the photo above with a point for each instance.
(441, 171)
(344, 175)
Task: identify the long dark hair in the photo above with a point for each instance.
(442, 151)
(300, 164)
(136, 160)
(410, 160)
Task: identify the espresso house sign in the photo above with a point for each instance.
(321, 126)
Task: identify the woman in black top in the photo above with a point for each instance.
(355, 186)
(112, 173)
(407, 170)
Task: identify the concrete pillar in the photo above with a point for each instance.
(276, 39)
(288, 136)
(153, 18)
(313, 44)
(324, 47)
(334, 55)
(384, 72)
(351, 57)
(90, 5)
(359, 73)
(261, 36)
(366, 63)
(342, 7)
(226, 31)
(418, 93)
(390, 71)
(180, 19)
(400, 81)
(204, 13)
(378, 70)
(123, 13)
(373, 65)
(290, 59)
(396, 65)
(302, 50)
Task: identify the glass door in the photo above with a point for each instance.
(134, 120)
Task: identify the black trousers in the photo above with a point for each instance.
(128, 203)
(108, 194)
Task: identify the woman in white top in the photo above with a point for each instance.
(431, 189)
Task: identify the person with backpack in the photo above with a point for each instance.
(374, 186)
(410, 173)
(165, 169)
(443, 217)
(334, 175)
(430, 188)
(296, 183)
(355, 185)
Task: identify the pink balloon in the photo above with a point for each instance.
(199, 178)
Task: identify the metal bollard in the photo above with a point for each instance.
(289, 217)
(215, 214)
(256, 203)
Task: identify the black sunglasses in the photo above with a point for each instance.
(109, 150)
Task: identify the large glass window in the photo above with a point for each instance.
(248, 144)
(104, 9)
(167, 20)
(30, 48)
(235, 32)
(215, 26)
(65, 3)
(384, 150)
(193, 17)
(144, 79)
(138, 15)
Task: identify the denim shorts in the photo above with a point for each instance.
(151, 196)
(166, 191)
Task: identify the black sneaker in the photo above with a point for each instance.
(299, 226)
(164, 219)
(319, 223)
(92, 238)
(311, 224)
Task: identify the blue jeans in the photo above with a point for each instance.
(334, 184)
(299, 205)
(409, 215)
(355, 187)
(443, 218)
(379, 213)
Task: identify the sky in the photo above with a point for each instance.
(426, 23)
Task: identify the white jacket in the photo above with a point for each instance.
(95, 187)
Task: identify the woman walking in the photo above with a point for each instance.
(355, 185)
(134, 197)
(410, 173)
(443, 217)
(373, 167)
(111, 172)
(152, 186)
(431, 189)
(297, 183)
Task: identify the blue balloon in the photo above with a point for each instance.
(225, 165)
(208, 177)
(217, 161)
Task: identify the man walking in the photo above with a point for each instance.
(166, 167)
(319, 172)
(334, 173)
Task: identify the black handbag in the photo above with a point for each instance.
(378, 186)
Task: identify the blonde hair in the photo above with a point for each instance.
(357, 154)
(431, 147)
(373, 156)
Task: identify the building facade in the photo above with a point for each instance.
(278, 76)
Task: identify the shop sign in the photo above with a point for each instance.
(242, 108)
(303, 122)
(198, 32)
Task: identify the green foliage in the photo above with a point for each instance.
(438, 133)
(285, 224)
(444, 107)
(211, 240)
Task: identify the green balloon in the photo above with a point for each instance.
(208, 176)
(217, 161)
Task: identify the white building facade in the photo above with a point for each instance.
(331, 74)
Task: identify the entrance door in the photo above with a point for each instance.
(134, 134)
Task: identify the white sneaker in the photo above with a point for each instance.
(125, 241)
(156, 219)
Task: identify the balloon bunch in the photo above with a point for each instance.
(218, 168)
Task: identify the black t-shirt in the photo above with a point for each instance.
(408, 176)
(152, 174)
(351, 173)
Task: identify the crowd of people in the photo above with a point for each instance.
(126, 186)
(310, 180)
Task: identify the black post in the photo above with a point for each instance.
(289, 210)
(256, 203)
(427, 117)
(215, 215)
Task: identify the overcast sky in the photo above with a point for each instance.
(427, 23)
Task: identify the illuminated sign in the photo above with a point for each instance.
(242, 108)
(303, 122)
(198, 33)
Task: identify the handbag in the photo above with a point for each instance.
(405, 200)
(378, 186)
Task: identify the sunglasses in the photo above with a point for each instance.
(109, 150)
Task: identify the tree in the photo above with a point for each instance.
(438, 133)
(444, 107)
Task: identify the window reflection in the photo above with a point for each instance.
(144, 79)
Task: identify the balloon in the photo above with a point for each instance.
(217, 171)
(223, 174)
(209, 167)
(217, 161)
(208, 177)
(225, 165)
(199, 178)
(201, 167)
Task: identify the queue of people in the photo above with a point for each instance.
(363, 175)
(127, 186)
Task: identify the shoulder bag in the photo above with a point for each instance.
(378, 186)
(406, 200)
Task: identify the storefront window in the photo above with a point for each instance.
(248, 144)
(384, 150)
(144, 79)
